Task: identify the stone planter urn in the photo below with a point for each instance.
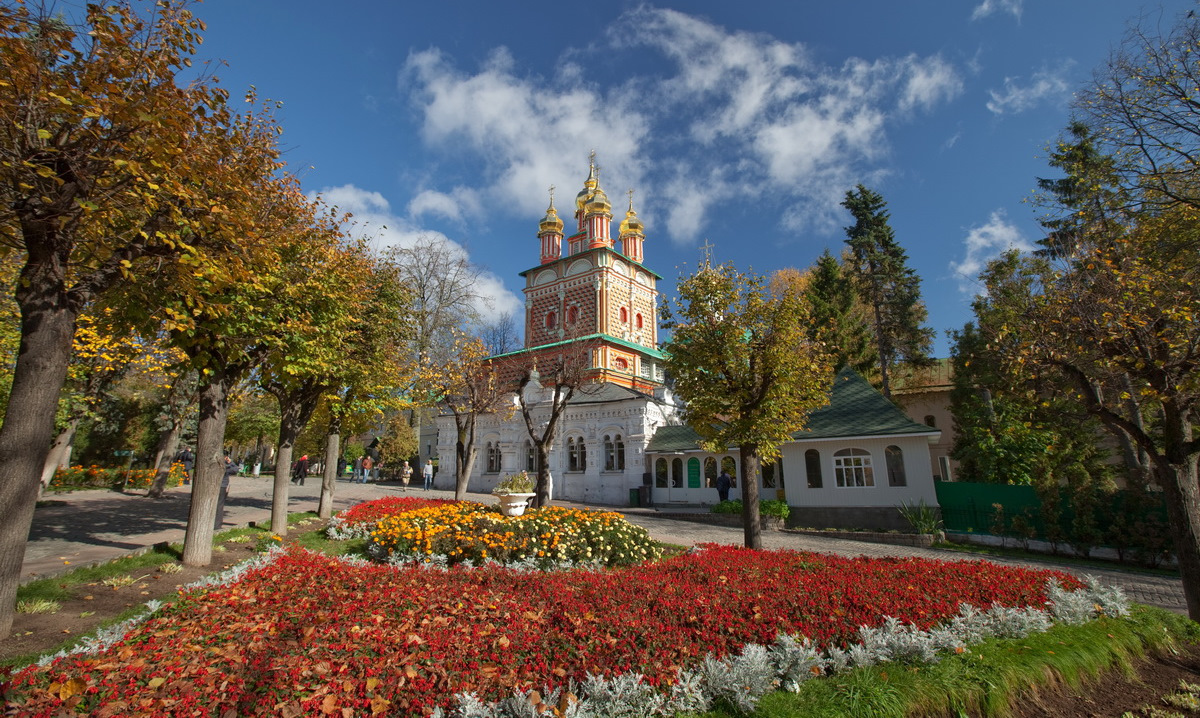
(514, 504)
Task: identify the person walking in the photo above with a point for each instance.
(367, 464)
(230, 469)
(427, 474)
(724, 481)
(356, 474)
(188, 459)
(300, 472)
(406, 472)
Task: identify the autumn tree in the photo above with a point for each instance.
(746, 368)
(376, 375)
(444, 292)
(467, 385)
(546, 383)
(889, 288)
(1119, 317)
(105, 165)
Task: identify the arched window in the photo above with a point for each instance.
(710, 472)
(770, 470)
(637, 320)
(572, 314)
(576, 458)
(812, 467)
(493, 457)
(660, 473)
(729, 464)
(614, 453)
(677, 473)
(931, 420)
(624, 315)
(531, 457)
(551, 320)
(894, 458)
(852, 468)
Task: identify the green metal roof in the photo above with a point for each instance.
(858, 409)
(855, 409)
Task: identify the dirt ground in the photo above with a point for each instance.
(1109, 696)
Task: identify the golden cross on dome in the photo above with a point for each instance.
(551, 195)
(630, 193)
(707, 247)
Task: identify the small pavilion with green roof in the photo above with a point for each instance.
(855, 462)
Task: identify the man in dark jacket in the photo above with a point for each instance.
(723, 483)
(300, 471)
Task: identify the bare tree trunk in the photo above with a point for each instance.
(60, 450)
(464, 454)
(168, 445)
(210, 467)
(750, 512)
(280, 488)
(329, 476)
(47, 329)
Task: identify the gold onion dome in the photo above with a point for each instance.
(589, 185)
(631, 224)
(551, 222)
(599, 202)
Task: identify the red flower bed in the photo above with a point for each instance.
(369, 512)
(311, 635)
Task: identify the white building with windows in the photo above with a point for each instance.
(857, 460)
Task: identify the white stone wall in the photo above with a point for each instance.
(917, 465)
(634, 419)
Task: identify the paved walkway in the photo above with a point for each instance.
(89, 527)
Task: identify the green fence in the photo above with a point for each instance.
(1117, 519)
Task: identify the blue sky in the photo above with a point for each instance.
(742, 124)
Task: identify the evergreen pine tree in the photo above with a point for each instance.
(839, 317)
(889, 288)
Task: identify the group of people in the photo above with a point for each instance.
(365, 469)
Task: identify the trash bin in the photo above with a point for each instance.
(633, 497)
(644, 495)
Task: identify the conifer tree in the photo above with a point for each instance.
(889, 288)
(838, 317)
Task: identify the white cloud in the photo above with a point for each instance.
(987, 7)
(372, 219)
(984, 243)
(457, 205)
(760, 118)
(1046, 84)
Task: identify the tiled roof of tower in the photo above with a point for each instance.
(855, 409)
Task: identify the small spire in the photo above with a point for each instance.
(630, 193)
(707, 247)
(551, 198)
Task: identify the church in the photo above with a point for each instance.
(592, 294)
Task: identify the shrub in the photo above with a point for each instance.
(519, 483)
(924, 518)
(469, 532)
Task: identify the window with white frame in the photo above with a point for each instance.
(852, 468)
(677, 473)
(576, 454)
(492, 453)
(614, 452)
(660, 473)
